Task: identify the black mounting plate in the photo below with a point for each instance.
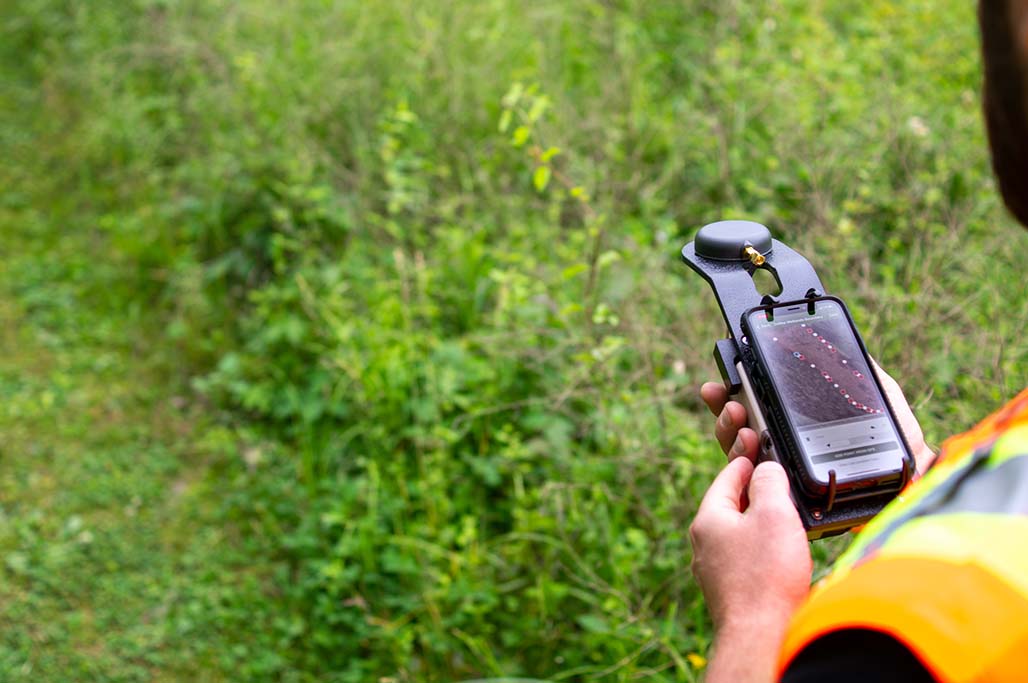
(732, 281)
(726, 254)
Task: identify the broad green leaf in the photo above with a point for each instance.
(505, 119)
(541, 177)
(521, 135)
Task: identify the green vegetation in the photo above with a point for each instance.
(348, 341)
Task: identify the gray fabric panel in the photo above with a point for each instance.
(973, 488)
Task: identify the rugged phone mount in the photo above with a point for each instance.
(727, 254)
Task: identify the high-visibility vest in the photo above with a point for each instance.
(944, 568)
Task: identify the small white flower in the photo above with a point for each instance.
(917, 126)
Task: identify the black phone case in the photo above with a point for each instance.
(784, 435)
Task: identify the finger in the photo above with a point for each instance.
(729, 422)
(715, 395)
(746, 445)
(894, 392)
(769, 488)
(726, 491)
(908, 424)
(890, 385)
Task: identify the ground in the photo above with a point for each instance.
(101, 483)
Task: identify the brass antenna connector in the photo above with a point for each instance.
(755, 257)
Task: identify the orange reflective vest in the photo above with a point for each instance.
(944, 568)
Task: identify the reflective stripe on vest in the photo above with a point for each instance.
(944, 569)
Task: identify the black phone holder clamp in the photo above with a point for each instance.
(727, 254)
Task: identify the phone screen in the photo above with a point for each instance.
(827, 391)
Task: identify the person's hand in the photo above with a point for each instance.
(752, 561)
(737, 439)
(751, 557)
(923, 455)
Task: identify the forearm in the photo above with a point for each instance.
(746, 652)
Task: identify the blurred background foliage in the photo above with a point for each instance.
(348, 341)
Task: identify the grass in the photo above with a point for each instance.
(348, 341)
(94, 483)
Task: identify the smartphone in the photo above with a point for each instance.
(827, 409)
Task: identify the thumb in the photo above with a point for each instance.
(769, 487)
(726, 491)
